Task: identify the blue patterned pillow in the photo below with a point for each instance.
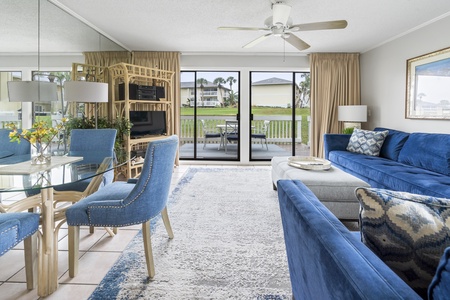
(408, 232)
(367, 142)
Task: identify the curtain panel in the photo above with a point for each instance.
(335, 80)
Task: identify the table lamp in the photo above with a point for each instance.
(352, 115)
(86, 92)
(32, 91)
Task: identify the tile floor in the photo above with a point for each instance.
(98, 252)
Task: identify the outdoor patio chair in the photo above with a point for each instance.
(127, 203)
(231, 132)
(207, 134)
(263, 134)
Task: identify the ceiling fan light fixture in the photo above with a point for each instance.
(281, 12)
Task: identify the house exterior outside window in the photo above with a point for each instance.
(208, 94)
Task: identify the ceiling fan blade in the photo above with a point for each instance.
(257, 41)
(296, 42)
(243, 28)
(338, 24)
(281, 12)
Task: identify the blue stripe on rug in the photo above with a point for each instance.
(131, 259)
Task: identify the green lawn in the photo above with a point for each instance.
(227, 111)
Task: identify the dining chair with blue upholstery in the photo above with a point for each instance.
(12, 152)
(127, 203)
(93, 145)
(14, 228)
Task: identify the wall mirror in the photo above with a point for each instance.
(38, 41)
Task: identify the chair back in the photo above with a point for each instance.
(93, 145)
(150, 194)
(13, 148)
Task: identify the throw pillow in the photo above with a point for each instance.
(366, 142)
(408, 232)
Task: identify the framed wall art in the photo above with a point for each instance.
(428, 86)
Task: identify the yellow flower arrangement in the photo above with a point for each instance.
(40, 137)
(41, 132)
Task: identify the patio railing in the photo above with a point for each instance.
(280, 128)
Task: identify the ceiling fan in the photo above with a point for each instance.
(280, 24)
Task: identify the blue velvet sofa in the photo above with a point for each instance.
(327, 261)
(13, 152)
(417, 163)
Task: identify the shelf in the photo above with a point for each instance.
(123, 73)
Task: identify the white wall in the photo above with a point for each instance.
(383, 78)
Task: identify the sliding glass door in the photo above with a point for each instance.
(209, 115)
(279, 114)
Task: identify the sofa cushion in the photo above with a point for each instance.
(440, 286)
(429, 151)
(366, 142)
(393, 143)
(408, 232)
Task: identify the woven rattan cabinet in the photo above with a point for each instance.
(124, 74)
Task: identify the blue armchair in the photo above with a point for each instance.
(126, 203)
(12, 152)
(14, 228)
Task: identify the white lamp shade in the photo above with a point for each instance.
(352, 113)
(32, 91)
(85, 91)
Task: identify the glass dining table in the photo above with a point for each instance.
(40, 184)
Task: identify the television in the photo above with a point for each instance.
(147, 123)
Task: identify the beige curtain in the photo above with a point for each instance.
(105, 59)
(169, 61)
(335, 80)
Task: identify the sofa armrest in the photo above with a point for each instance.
(333, 141)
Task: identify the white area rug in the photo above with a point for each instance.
(228, 243)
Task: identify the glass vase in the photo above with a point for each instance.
(40, 153)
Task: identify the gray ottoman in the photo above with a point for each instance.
(334, 187)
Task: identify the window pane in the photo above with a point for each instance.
(9, 111)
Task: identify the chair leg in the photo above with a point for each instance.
(165, 217)
(30, 245)
(148, 249)
(74, 246)
(267, 146)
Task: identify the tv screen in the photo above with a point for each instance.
(147, 123)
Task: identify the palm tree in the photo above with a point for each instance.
(202, 82)
(231, 80)
(304, 89)
(219, 81)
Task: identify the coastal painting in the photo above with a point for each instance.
(428, 86)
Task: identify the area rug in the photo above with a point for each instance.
(228, 243)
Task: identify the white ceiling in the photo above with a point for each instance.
(190, 26)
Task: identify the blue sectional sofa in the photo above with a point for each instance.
(11, 153)
(327, 261)
(417, 163)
